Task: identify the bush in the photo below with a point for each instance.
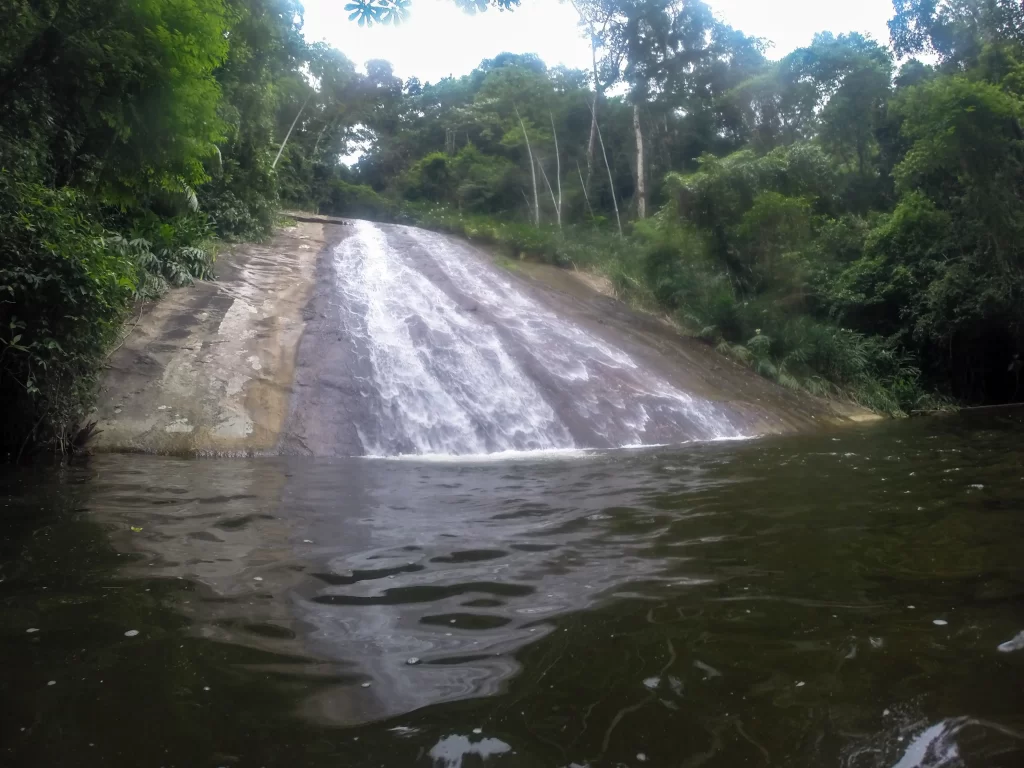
(429, 178)
(63, 294)
(344, 199)
(233, 218)
(666, 264)
(168, 251)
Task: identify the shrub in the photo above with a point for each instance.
(344, 199)
(233, 218)
(63, 294)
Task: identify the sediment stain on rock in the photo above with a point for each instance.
(209, 368)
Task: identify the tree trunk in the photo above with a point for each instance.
(558, 171)
(316, 146)
(533, 171)
(583, 184)
(529, 208)
(558, 214)
(641, 189)
(611, 181)
(591, 145)
(290, 129)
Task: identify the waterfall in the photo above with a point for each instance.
(456, 359)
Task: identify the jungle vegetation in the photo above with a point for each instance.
(845, 220)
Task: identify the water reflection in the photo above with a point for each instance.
(408, 584)
(849, 600)
(946, 744)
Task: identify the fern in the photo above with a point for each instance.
(190, 195)
(760, 344)
(767, 369)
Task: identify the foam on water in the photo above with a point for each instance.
(512, 378)
(443, 380)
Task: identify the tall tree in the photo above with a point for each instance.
(954, 30)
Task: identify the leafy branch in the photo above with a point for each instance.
(369, 12)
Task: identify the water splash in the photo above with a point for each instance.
(935, 746)
(462, 362)
(1014, 644)
(444, 383)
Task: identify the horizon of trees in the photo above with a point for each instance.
(840, 223)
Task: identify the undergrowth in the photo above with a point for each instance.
(66, 284)
(767, 333)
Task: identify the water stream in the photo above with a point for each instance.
(851, 599)
(454, 359)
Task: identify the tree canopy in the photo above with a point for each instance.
(369, 12)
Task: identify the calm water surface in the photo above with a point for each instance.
(847, 599)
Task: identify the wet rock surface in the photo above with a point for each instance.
(208, 369)
(418, 343)
(375, 339)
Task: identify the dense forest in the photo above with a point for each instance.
(845, 220)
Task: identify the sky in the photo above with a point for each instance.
(440, 40)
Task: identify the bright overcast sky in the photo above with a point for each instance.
(440, 40)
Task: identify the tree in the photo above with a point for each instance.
(954, 30)
(369, 12)
(126, 91)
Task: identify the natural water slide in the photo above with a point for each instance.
(356, 338)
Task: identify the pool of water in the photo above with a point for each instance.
(853, 598)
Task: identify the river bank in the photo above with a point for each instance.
(208, 369)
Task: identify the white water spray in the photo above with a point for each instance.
(502, 374)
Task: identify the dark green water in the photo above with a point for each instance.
(739, 604)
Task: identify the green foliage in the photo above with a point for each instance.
(260, 71)
(110, 119)
(358, 201)
(370, 12)
(63, 293)
(239, 218)
(967, 155)
(430, 178)
(124, 91)
(482, 181)
(954, 30)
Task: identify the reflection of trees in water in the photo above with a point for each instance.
(149, 698)
(709, 607)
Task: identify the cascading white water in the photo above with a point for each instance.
(444, 382)
(621, 390)
(460, 361)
